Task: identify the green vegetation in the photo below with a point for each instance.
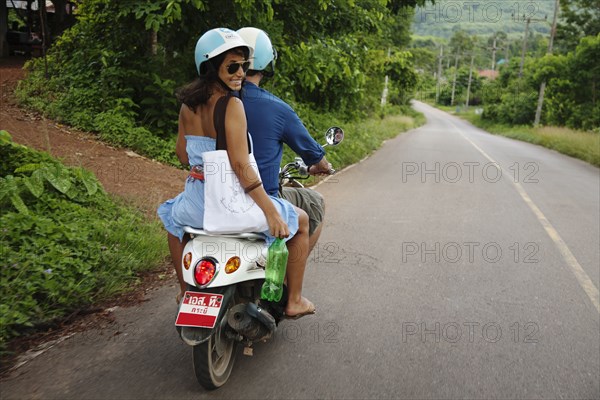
(480, 18)
(571, 94)
(115, 71)
(570, 73)
(579, 144)
(368, 136)
(579, 18)
(364, 137)
(64, 242)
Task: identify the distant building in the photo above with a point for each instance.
(31, 29)
(489, 74)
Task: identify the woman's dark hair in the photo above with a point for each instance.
(200, 89)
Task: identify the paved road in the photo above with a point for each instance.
(455, 264)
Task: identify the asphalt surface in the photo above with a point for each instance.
(454, 264)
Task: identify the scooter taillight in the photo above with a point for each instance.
(187, 261)
(204, 272)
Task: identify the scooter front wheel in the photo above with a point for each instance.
(214, 359)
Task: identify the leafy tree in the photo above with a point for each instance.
(571, 95)
(424, 60)
(500, 37)
(478, 18)
(573, 80)
(462, 83)
(123, 60)
(579, 18)
(428, 42)
(400, 69)
(460, 42)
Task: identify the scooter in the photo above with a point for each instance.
(222, 308)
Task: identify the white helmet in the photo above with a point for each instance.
(264, 52)
(218, 41)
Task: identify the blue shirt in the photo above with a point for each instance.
(272, 122)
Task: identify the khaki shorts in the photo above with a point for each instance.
(308, 200)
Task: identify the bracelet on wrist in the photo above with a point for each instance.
(252, 187)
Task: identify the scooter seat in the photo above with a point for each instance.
(246, 236)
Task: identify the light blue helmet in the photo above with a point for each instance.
(264, 52)
(217, 41)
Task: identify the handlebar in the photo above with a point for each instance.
(297, 170)
(296, 167)
(334, 136)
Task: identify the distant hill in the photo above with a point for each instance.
(482, 17)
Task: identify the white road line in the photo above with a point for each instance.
(582, 277)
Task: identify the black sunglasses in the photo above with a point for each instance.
(234, 67)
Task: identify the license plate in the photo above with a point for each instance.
(199, 310)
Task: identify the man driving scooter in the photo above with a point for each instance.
(272, 122)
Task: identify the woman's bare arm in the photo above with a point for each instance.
(237, 149)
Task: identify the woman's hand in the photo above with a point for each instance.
(277, 226)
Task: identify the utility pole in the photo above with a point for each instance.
(439, 76)
(538, 112)
(525, 38)
(454, 80)
(385, 85)
(494, 49)
(494, 54)
(524, 47)
(45, 33)
(470, 78)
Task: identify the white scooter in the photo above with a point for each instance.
(222, 307)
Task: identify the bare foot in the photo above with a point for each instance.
(295, 310)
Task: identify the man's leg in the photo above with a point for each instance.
(313, 204)
(298, 253)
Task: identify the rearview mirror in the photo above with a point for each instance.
(334, 136)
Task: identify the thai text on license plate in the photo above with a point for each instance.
(199, 310)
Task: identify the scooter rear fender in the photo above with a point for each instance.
(251, 250)
(195, 336)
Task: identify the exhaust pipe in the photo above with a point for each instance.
(251, 321)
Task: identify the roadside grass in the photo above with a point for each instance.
(364, 137)
(578, 144)
(77, 253)
(65, 244)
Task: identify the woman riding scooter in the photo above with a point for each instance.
(221, 61)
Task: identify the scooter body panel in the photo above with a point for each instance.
(252, 255)
(243, 318)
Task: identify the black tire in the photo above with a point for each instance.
(214, 359)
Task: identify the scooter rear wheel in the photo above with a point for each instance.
(214, 359)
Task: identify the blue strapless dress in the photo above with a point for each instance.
(187, 209)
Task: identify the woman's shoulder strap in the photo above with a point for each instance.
(219, 121)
